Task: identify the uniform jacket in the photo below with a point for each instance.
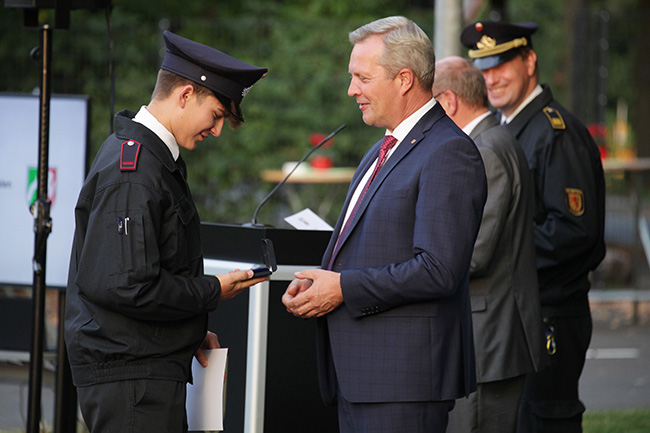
(404, 332)
(569, 215)
(506, 312)
(137, 299)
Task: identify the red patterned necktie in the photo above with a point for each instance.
(386, 145)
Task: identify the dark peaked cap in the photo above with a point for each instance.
(228, 78)
(494, 42)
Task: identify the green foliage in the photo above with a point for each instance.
(304, 45)
(579, 42)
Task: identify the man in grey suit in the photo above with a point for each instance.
(507, 322)
(394, 322)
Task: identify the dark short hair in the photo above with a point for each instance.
(168, 81)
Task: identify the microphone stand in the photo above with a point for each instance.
(42, 229)
(66, 396)
(254, 223)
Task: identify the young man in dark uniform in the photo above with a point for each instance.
(569, 214)
(137, 297)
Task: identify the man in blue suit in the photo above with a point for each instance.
(392, 301)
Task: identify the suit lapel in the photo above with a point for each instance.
(410, 141)
(364, 165)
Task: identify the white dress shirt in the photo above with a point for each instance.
(147, 119)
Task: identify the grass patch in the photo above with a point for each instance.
(617, 421)
(608, 421)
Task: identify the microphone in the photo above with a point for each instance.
(283, 181)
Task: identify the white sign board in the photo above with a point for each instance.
(19, 147)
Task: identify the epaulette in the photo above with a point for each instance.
(554, 116)
(129, 155)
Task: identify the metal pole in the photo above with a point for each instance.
(42, 228)
(603, 66)
(448, 25)
(258, 318)
(65, 408)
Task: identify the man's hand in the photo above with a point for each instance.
(314, 293)
(211, 341)
(295, 288)
(234, 282)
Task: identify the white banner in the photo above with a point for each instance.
(19, 147)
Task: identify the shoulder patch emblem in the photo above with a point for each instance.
(554, 116)
(129, 155)
(575, 201)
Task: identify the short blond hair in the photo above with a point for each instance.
(406, 46)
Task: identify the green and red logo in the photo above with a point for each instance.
(32, 185)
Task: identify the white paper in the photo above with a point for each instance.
(306, 219)
(206, 397)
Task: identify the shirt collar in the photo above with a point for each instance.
(407, 124)
(471, 125)
(145, 118)
(534, 94)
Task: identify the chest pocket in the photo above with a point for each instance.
(187, 231)
(124, 234)
(393, 194)
(185, 209)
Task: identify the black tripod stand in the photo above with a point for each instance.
(66, 396)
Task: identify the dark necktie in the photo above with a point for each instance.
(180, 163)
(387, 144)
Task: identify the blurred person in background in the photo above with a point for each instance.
(506, 313)
(569, 215)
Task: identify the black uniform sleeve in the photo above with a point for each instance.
(138, 258)
(568, 196)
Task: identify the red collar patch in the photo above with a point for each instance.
(129, 155)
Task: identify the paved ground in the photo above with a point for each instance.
(616, 374)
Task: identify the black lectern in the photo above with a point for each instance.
(272, 381)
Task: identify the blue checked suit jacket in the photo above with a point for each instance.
(404, 331)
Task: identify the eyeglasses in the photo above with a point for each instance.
(438, 94)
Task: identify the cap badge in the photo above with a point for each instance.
(479, 26)
(486, 43)
(489, 47)
(246, 90)
(203, 78)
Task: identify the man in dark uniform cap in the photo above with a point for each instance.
(137, 297)
(568, 220)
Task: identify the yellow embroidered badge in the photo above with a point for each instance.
(575, 201)
(554, 116)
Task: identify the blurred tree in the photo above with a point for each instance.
(304, 45)
(641, 78)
